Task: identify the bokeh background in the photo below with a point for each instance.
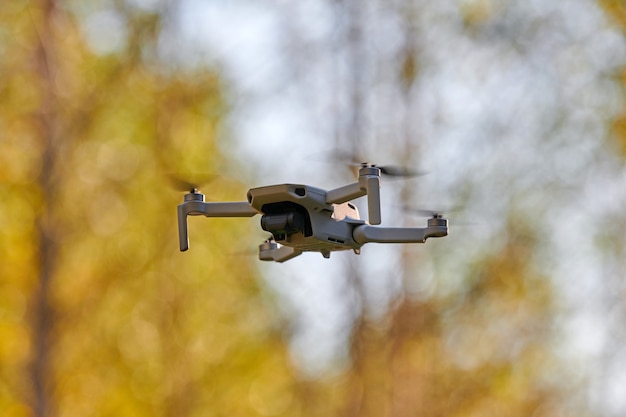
(516, 110)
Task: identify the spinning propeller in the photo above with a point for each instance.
(435, 214)
(435, 217)
(391, 170)
(190, 182)
(357, 162)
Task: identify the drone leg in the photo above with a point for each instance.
(183, 235)
(373, 199)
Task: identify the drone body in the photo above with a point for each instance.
(302, 218)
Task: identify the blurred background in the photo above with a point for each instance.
(515, 110)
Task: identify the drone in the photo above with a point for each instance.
(302, 218)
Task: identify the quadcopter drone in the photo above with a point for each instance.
(302, 218)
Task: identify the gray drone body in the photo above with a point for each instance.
(302, 218)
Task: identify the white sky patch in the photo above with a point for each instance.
(105, 31)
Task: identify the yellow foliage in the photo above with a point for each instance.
(100, 314)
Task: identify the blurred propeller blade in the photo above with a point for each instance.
(439, 214)
(427, 213)
(431, 213)
(356, 162)
(398, 171)
(190, 182)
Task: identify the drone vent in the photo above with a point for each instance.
(332, 239)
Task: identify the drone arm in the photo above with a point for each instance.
(365, 233)
(369, 184)
(345, 193)
(201, 208)
(228, 209)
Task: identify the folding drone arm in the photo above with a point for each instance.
(368, 184)
(194, 205)
(365, 233)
